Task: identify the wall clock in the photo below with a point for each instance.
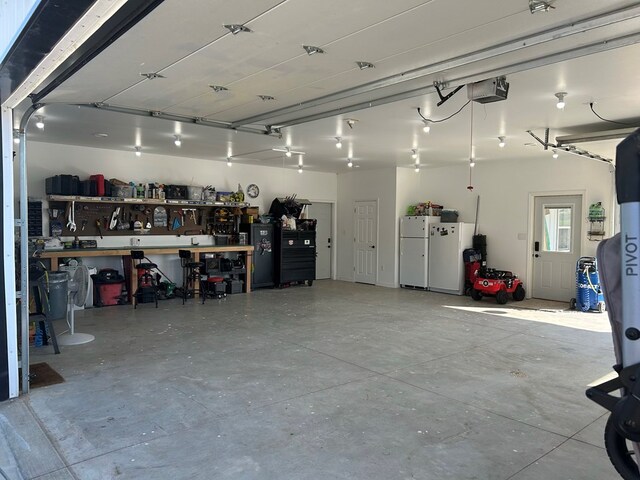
(252, 190)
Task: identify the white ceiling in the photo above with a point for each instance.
(187, 43)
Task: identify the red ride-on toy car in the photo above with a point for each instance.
(499, 284)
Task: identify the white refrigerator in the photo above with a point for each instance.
(446, 266)
(414, 250)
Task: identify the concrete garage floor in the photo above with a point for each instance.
(336, 381)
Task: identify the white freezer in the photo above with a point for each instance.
(416, 226)
(414, 271)
(446, 266)
(414, 250)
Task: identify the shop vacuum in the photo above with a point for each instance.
(618, 260)
(589, 294)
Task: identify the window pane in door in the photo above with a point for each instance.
(557, 229)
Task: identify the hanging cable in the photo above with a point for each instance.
(611, 121)
(443, 119)
(471, 161)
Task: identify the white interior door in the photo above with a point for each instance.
(322, 213)
(365, 238)
(557, 236)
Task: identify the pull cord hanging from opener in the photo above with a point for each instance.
(471, 161)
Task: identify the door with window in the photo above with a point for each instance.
(556, 248)
(365, 237)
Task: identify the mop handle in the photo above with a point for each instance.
(628, 193)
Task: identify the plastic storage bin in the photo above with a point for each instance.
(234, 286)
(194, 193)
(449, 216)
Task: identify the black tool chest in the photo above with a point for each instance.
(295, 256)
(261, 237)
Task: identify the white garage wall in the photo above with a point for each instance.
(46, 159)
(361, 186)
(504, 189)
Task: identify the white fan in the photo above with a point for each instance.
(77, 297)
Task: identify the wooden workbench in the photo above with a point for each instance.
(125, 253)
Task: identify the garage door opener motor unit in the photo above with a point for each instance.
(488, 91)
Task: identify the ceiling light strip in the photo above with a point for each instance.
(544, 60)
(573, 28)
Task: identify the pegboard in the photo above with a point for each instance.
(190, 220)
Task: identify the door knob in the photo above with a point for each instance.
(373, 246)
(536, 255)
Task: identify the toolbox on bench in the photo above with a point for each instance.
(87, 188)
(62, 185)
(99, 183)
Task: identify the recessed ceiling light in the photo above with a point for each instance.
(266, 98)
(236, 28)
(152, 75)
(218, 88)
(349, 163)
(338, 142)
(300, 169)
(39, 121)
(178, 141)
(417, 169)
(472, 162)
(311, 50)
(100, 135)
(138, 151)
(228, 161)
(365, 65)
(501, 142)
(414, 153)
(427, 127)
(555, 153)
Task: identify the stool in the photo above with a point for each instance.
(191, 278)
(147, 290)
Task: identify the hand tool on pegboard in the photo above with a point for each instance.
(114, 219)
(99, 228)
